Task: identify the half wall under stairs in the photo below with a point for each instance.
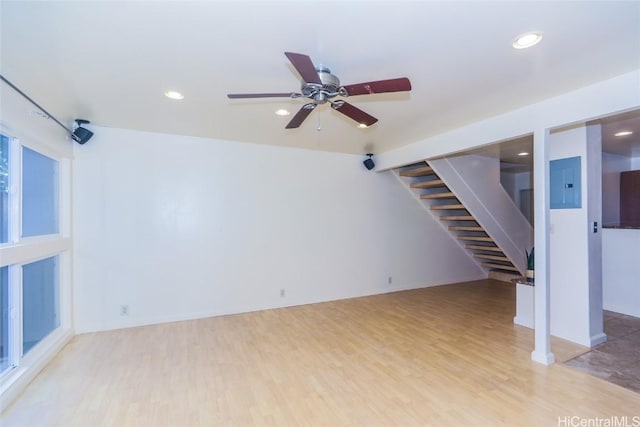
(443, 203)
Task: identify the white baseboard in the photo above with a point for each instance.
(527, 323)
(597, 339)
(118, 323)
(545, 359)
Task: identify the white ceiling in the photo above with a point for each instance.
(111, 61)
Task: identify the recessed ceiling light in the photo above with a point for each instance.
(174, 95)
(283, 112)
(623, 133)
(523, 153)
(362, 126)
(527, 40)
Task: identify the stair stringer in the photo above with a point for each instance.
(475, 180)
(426, 206)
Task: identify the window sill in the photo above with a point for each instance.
(19, 378)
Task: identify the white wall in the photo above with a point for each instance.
(514, 182)
(620, 271)
(594, 232)
(569, 249)
(612, 165)
(508, 182)
(575, 262)
(179, 227)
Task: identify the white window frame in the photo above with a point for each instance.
(18, 251)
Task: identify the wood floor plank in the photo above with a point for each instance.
(446, 355)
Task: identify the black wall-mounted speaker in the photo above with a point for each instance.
(368, 163)
(81, 135)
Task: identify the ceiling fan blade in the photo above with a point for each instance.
(381, 86)
(353, 113)
(301, 115)
(305, 67)
(263, 95)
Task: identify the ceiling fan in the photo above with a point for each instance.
(320, 86)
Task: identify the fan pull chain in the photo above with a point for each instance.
(319, 128)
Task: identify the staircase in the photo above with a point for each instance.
(444, 204)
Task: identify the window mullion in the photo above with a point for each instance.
(15, 297)
(15, 195)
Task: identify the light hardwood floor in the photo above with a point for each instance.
(448, 355)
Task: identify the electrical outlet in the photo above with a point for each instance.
(390, 280)
(124, 310)
(282, 293)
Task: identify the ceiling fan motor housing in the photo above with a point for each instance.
(327, 90)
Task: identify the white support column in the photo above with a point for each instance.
(542, 311)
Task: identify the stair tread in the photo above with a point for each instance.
(492, 257)
(499, 266)
(429, 184)
(495, 257)
(420, 171)
(447, 207)
(457, 218)
(503, 276)
(483, 248)
(475, 238)
(443, 195)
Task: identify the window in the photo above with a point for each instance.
(4, 319)
(40, 301)
(39, 194)
(33, 252)
(4, 189)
